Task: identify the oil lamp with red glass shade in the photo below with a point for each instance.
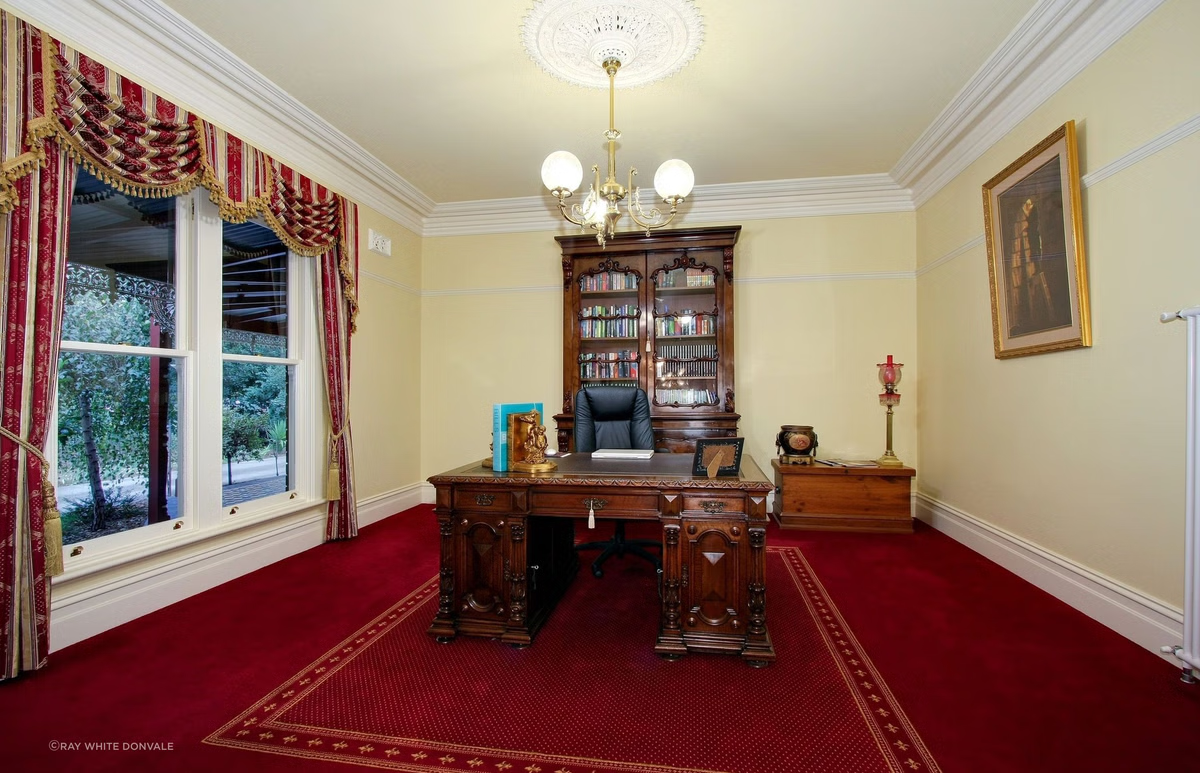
(889, 376)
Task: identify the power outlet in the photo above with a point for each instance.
(377, 242)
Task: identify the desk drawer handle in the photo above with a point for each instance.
(713, 506)
(593, 504)
(485, 500)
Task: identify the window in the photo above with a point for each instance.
(173, 318)
(257, 372)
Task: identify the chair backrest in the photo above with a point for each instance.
(612, 417)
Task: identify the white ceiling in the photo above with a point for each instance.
(444, 93)
(431, 113)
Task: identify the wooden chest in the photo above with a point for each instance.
(819, 497)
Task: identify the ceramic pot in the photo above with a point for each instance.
(796, 440)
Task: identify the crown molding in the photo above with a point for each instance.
(163, 51)
(809, 197)
(1055, 41)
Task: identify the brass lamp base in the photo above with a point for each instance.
(889, 460)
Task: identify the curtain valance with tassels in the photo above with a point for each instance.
(146, 145)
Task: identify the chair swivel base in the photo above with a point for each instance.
(619, 546)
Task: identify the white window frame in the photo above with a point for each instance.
(199, 358)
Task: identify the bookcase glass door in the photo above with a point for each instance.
(609, 327)
(686, 349)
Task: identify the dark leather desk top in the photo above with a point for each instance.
(660, 470)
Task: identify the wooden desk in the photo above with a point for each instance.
(819, 497)
(507, 548)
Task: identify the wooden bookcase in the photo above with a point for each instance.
(655, 312)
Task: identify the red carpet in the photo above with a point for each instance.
(590, 696)
(997, 676)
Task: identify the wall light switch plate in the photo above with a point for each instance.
(377, 242)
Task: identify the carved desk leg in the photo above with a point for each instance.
(443, 628)
(516, 574)
(670, 637)
(758, 651)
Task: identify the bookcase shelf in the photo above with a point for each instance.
(674, 291)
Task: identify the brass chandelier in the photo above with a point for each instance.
(600, 210)
(645, 39)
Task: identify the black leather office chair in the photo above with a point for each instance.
(614, 417)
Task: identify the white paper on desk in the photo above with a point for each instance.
(623, 453)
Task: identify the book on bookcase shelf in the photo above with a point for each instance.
(500, 414)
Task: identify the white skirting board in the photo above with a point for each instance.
(83, 609)
(1144, 620)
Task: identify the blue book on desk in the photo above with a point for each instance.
(500, 414)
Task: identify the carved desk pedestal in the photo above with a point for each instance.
(507, 549)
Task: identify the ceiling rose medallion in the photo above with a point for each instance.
(653, 39)
(586, 42)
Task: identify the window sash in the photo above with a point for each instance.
(199, 357)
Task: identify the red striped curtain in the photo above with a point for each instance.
(61, 108)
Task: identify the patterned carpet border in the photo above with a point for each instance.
(897, 738)
(257, 729)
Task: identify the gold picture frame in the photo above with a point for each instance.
(1037, 270)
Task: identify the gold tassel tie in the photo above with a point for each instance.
(333, 485)
(52, 533)
(51, 520)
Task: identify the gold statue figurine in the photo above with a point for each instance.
(527, 443)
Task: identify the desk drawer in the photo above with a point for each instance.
(487, 499)
(714, 504)
(575, 503)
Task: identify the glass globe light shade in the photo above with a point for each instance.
(674, 179)
(562, 169)
(889, 372)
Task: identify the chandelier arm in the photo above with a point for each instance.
(653, 222)
(652, 219)
(566, 212)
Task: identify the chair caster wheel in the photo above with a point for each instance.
(597, 572)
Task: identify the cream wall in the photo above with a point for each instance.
(385, 370)
(818, 302)
(1077, 453)
(491, 332)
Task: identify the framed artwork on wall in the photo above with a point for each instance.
(1033, 226)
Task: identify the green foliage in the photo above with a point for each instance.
(117, 384)
(251, 387)
(243, 435)
(123, 510)
(255, 400)
(277, 436)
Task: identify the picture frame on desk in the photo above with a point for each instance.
(718, 457)
(1037, 270)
